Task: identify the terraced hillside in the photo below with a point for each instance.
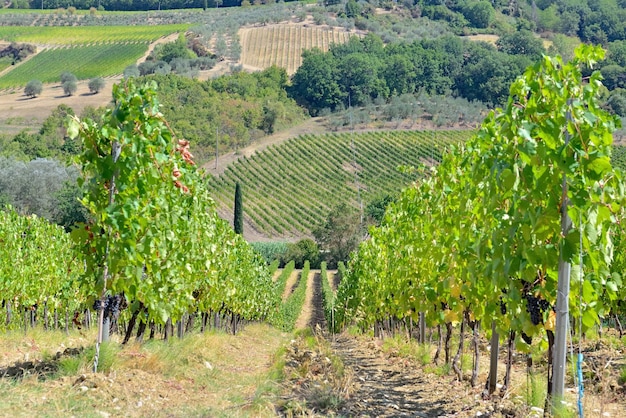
(290, 188)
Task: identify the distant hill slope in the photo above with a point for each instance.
(289, 188)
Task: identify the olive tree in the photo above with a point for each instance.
(96, 84)
(33, 88)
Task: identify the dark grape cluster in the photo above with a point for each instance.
(502, 307)
(111, 306)
(535, 307)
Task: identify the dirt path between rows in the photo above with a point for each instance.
(393, 389)
(383, 386)
(307, 313)
(383, 383)
(291, 284)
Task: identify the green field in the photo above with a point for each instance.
(290, 188)
(5, 62)
(64, 35)
(83, 61)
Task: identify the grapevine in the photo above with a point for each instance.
(481, 237)
(156, 237)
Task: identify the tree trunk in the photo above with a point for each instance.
(547, 408)
(475, 330)
(422, 326)
(490, 386)
(439, 343)
(131, 325)
(168, 330)
(180, 327)
(203, 322)
(447, 342)
(458, 368)
(234, 321)
(45, 315)
(8, 306)
(509, 362)
(190, 321)
(216, 320)
(619, 326)
(33, 317)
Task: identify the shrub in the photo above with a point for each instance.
(33, 88)
(131, 71)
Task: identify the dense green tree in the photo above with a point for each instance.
(375, 210)
(616, 102)
(400, 74)
(238, 216)
(301, 251)
(360, 78)
(339, 235)
(316, 83)
(480, 14)
(69, 211)
(353, 9)
(53, 133)
(614, 76)
(521, 43)
(616, 53)
(487, 74)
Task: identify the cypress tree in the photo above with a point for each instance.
(238, 221)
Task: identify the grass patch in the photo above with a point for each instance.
(622, 376)
(400, 346)
(5, 62)
(438, 370)
(534, 390)
(210, 374)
